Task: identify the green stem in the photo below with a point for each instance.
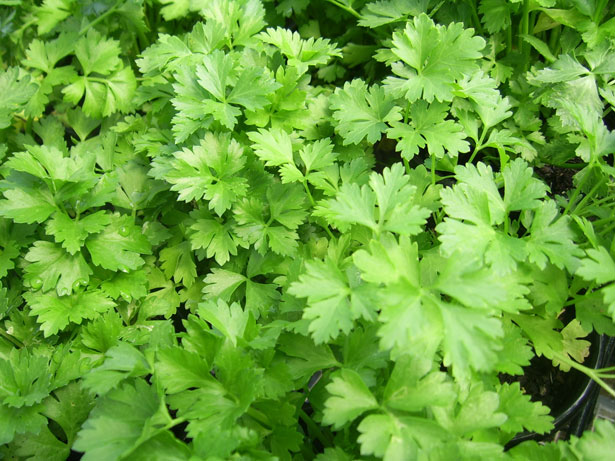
(260, 417)
(590, 372)
(609, 198)
(584, 297)
(406, 165)
(436, 8)
(601, 371)
(314, 429)
(433, 170)
(574, 166)
(599, 13)
(576, 192)
(99, 80)
(313, 203)
(309, 193)
(479, 145)
(100, 18)
(348, 9)
(554, 38)
(525, 30)
(406, 112)
(477, 24)
(585, 199)
(155, 432)
(608, 219)
(607, 230)
(11, 338)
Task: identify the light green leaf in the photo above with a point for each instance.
(350, 398)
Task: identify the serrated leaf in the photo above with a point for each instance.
(350, 397)
(72, 233)
(122, 420)
(300, 53)
(122, 361)
(433, 57)
(180, 369)
(523, 413)
(428, 128)
(273, 146)
(55, 313)
(16, 91)
(52, 267)
(230, 320)
(215, 237)
(362, 112)
(333, 305)
(119, 246)
(382, 12)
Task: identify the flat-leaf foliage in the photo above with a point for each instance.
(294, 230)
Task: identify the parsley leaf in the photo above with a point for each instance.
(428, 128)
(51, 267)
(72, 233)
(17, 90)
(385, 205)
(103, 96)
(209, 170)
(433, 57)
(350, 398)
(128, 418)
(334, 301)
(119, 245)
(54, 312)
(300, 53)
(362, 112)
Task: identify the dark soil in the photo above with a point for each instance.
(557, 178)
(547, 384)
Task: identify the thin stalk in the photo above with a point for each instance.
(603, 200)
(313, 203)
(406, 165)
(597, 222)
(592, 191)
(11, 338)
(433, 170)
(554, 38)
(166, 427)
(525, 30)
(599, 13)
(85, 28)
(98, 80)
(479, 145)
(260, 417)
(607, 229)
(576, 193)
(309, 193)
(477, 24)
(574, 166)
(436, 8)
(348, 9)
(590, 372)
(314, 429)
(584, 297)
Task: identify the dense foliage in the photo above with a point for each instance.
(294, 230)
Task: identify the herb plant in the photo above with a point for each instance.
(295, 230)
